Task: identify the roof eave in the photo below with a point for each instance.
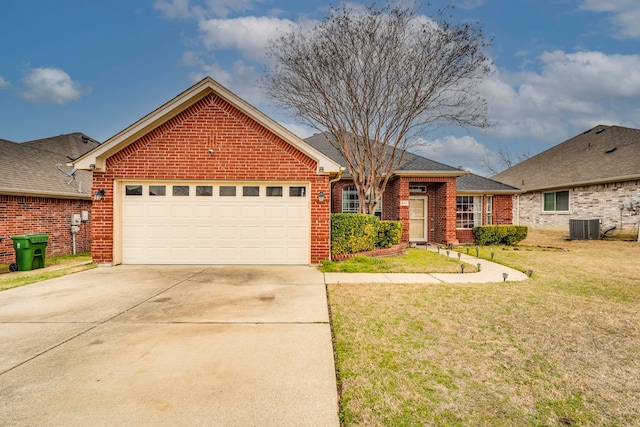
(431, 174)
(495, 192)
(583, 183)
(45, 194)
(95, 160)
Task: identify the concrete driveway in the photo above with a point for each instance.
(169, 345)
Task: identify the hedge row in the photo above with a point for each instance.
(499, 234)
(352, 233)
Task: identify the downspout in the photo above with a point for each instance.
(331, 181)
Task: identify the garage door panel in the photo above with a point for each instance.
(194, 229)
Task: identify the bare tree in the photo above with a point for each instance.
(376, 79)
(503, 159)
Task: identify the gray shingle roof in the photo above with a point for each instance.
(476, 183)
(30, 168)
(601, 154)
(411, 162)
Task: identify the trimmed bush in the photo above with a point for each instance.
(351, 233)
(389, 233)
(499, 234)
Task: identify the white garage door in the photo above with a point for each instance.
(215, 223)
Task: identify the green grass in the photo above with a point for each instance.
(54, 267)
(411, 261)
(559, 349)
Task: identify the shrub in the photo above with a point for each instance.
(351, 233)
(389, 233)
(499, 234)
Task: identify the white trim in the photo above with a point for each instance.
(425, 200)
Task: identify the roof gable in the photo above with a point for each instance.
(600, 155)
(96, 159)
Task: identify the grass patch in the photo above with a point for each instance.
(559, 349)
(411, 261)
(54, 267)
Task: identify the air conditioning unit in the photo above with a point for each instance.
(584, 229)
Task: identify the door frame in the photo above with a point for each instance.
(425, 201)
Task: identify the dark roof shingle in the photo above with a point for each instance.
(29, 168)
(601, 154)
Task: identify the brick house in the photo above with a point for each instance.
(208, 179)
(593, 175)
(435, 202)
(39, 193)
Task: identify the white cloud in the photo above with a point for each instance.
(50, 85)
(301, 131)
(464, 151)
(469, 4)
(181, 9)
(248, 34)
(241, 79)
(4, 83)
(173, 9)
(625, 14)
(571, 93)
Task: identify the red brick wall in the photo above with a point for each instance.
(502, 215)
(26, 215)
(503, 209)
(441, 205)
(178, 149)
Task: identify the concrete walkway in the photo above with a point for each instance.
(490, 272)
(169, 346)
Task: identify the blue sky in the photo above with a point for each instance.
(561, 66)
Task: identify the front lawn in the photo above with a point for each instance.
(560, 349)
(411, 261)
(54, 267)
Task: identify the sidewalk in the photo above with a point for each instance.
(490, 272)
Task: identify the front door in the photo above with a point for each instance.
(418, 219)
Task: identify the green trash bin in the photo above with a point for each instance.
(31, 250)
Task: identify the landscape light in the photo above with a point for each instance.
(529, 272)
(462, 268)
(478, 266)
(477, 251)
(504, 276)
(492, 255)
(459, 255)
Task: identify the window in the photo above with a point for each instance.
(180, 190)
(157, 190)
(351, 203)
(204, 191)
(227, 190)
(489, 202)
(468, 211)
(274, 191)
(250, 191)
(133, 190)
(557, 201)
(297, 191)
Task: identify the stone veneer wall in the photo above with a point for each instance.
(594, 201)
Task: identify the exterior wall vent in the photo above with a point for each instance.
(584, 229)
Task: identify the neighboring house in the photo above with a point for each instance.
(39, 193)
(208, 179)
(593, 175)
(435, 202)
